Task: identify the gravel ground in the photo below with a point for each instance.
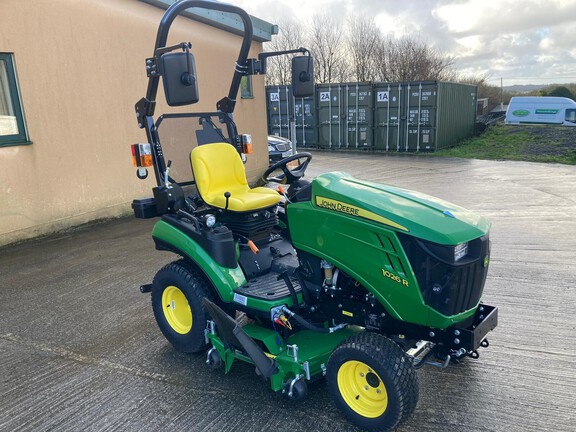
(548, 140)
(544, 140)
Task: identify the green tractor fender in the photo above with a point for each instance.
(223, 279)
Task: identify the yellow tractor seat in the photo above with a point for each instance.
(217, 169)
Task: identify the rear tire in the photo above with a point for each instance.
(372, 382)
(177, 293)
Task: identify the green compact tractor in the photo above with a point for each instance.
(356, 282)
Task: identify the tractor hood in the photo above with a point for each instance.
(414, 213)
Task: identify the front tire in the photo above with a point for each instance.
(372, 382)
(177, 293)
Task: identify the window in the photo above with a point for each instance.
(571, 115)
(246, 87)
(12, 125)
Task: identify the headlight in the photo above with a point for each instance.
(458, 254)
(210, 220)
(460, 251)
(270, 148)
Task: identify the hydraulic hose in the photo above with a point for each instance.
(308, 325)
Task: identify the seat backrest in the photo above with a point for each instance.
(217, 168)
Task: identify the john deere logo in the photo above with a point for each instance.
(352, 210)
(520, 113)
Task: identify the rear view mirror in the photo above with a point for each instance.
(302, 76)
(179, 77)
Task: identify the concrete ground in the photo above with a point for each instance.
(80, 350)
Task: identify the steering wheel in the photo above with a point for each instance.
(289, 176)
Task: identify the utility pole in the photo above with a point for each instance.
(501, 96)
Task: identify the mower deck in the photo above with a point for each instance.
(303, 355)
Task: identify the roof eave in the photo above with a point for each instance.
(263, 30)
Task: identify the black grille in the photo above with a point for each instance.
(448, 287)
(282, 147)
(254, 225)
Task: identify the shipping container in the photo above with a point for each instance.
(283, 109)
(399, 117)
(422, 116)
(345, 116)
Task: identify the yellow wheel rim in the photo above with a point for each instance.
(177, 310)
(362, 389)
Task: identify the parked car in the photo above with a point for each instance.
(278, 148)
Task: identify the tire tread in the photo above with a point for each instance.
(390, 356)
(195, 286)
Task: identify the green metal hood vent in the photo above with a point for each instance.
(418, 214)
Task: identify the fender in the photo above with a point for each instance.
(224, 279)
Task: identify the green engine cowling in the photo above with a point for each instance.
(424, 259)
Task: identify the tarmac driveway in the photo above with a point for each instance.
(79, 348)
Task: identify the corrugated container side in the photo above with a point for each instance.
(280, 109)
(283, 108)
(305, 120)
(359, 114)
(456, 113)
(388, 104)
(420, 115)
(331, 123)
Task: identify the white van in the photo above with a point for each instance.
(541, 109)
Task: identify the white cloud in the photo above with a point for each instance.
(524, 41)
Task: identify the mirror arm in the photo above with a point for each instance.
(258, 67)
(185, 46)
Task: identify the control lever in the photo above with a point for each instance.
(282, 192)
(227, 195)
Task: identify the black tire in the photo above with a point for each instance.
(177, 293)
(372, 382)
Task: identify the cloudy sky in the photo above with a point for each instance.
(522, 41)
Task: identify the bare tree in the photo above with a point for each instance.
(279, 69)
(357, 51)
(409, 58)
(363, 40)
(326, 42)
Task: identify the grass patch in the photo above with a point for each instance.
(532, 143)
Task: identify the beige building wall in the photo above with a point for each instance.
(81, 69)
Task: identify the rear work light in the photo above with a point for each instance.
(142, 155)
(246, 143)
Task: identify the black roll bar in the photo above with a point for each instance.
(227, 103)
(146, 106)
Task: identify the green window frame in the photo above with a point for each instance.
(12, 123)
